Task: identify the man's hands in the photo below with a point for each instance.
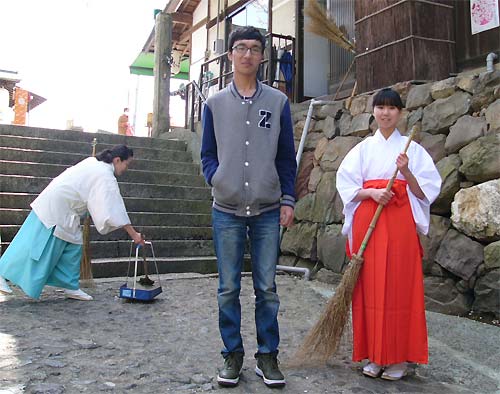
(286, 216)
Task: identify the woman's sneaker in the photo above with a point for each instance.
(267, 368)
(78, 295)
(4, 287)
(229, 375)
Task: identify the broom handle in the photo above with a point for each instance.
(371, 227)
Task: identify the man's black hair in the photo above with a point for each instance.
(246, 33)
(388, 96)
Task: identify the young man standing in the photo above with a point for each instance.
(248, 158)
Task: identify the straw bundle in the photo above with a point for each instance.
(324, 26)
(86, 277)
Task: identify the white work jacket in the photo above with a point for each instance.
(87, 186)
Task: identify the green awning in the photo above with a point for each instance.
(145, 62)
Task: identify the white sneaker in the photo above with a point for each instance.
(78, 295)
(394, 371)
(4, 287)
(372, 369)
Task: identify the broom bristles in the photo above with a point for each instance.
(86, 277)
(324, 26)
(324, 338)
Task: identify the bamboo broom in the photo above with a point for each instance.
(86, 277)
(324, 26)
(323, 339)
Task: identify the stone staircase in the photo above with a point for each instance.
(165, 196)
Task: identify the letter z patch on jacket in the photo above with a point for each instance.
(265, 117)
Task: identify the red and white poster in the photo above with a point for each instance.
(484, 15)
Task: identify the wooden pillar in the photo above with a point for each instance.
(163, 51)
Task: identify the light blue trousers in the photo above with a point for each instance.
(36, 258)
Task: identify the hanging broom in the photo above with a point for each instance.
(86, 278)
(323, 339)
(324, 26)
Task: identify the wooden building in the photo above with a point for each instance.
(396, 40)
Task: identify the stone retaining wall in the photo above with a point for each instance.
(460, 128)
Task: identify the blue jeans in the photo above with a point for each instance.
(230, 234)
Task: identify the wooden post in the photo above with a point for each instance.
(163, 50)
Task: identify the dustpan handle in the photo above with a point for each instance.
(135, 267)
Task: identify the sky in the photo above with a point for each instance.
(76, 54)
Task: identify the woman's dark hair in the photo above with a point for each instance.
(121, 151)
(246, 33)
(388, 96)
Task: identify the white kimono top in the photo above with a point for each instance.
(89, 185)
(375, 158)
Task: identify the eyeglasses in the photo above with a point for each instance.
(243, 49)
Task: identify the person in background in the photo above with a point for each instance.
(388, 311)
(47, 250)
(123, 124)
(248, 158)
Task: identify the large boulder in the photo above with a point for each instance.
(312, 140)
(442, 296)
(315, 178)
(305, 168)
(493, 115)
(320, 149)
(344, 123)
(335, 152)
(448, 169)
(476, 211)
(327, 203)
(438, 228)
(331, 247)
(467, 82)
(487, 293)
(467, 129)
(492, 256)
(434, 145)
(300, 240)
(443, 89)
(480, 159)
(304, 208)
(442, 113)
(331, 110)
(459, 254)
(358, 105)
(360, 125)
(419, 96)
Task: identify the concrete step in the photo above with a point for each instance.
(163, 248)
(102, 138)
(27, 184)
(69, 159)
(149, 232)
(52, 170)
(84, 148)
(133, 204)
(17, 216)
(113, 267)
(106, 268)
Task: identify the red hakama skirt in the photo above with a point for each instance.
(388, 309)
